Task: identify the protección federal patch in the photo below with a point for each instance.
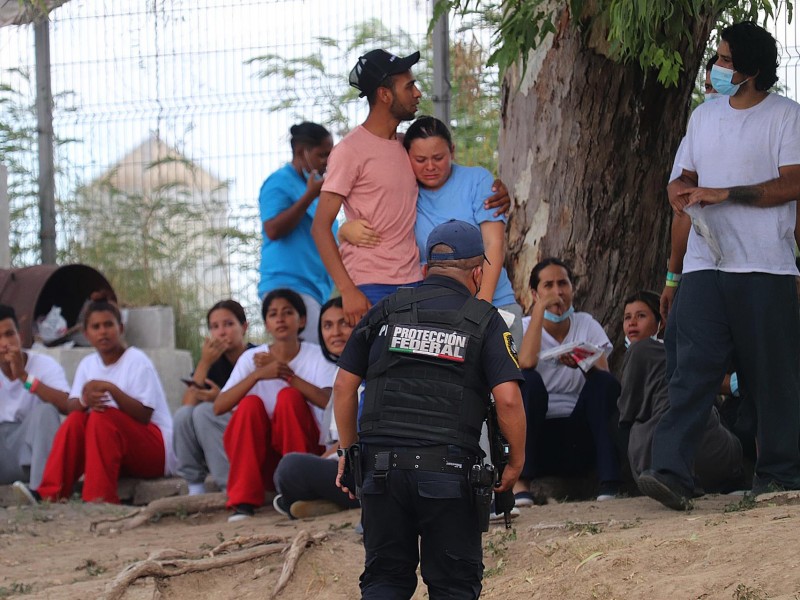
(429, 341)
(511, 348)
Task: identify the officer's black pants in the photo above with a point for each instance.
(426, 518)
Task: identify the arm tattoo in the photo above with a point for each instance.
(745, 194)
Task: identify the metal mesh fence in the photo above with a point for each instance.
(169, 114)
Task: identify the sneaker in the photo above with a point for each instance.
(25, 495)
(495, 518)
(523, 499)
(607, 491)
(307, 509)
(665, 488)
(242, 512)
(280, 506)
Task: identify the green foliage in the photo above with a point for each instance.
(16, 588)
(18, 148)
(746, 502)
(152, 242)
(745, 592)
(645, 31)
(475, 89)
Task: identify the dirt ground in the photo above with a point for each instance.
(626, 548)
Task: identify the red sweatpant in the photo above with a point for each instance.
(254, 444)
(101, 446)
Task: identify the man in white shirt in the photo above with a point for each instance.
(737, 300)
(33, 391)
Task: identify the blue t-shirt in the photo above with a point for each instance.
(293, 260)
(461, 197)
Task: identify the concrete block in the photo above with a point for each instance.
(171, 365)
(150, 327)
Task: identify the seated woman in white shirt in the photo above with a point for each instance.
(306, 483)
(570, 412)
(278, 393)
(119, 422)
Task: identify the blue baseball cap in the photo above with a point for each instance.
(465, 240)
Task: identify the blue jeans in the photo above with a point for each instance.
(375, 292)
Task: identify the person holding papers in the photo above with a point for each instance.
(570, 397)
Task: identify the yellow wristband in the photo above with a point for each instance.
(672, 284)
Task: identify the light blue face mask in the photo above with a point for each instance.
(712, 96)
(554, 318)
(722, 80)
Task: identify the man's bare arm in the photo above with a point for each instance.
(354, 303)
(784, 188)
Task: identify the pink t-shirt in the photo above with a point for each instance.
(374, 176)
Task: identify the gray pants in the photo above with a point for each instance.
(25, 446)
(197, 437)
(752, 319)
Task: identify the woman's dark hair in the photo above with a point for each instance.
(8, 312)
(537, 270)
(307, 134)
(651, 299)
(230, 305)
(337, 302)
(754, 52)
(290, 296)
(102, 301)
(427, 127)
(711, 62)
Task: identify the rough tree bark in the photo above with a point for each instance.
(587, 144)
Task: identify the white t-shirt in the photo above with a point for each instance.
(135, 375)
(15, 401)
(309, 364)
(727, 147)
(564, 384)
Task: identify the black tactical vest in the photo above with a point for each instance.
(428, 382)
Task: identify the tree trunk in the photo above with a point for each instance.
(587, 144)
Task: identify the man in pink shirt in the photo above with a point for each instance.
(369, 172)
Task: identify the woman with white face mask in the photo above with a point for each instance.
(643, 401)
(568, 405)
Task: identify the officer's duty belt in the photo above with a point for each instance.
(410, 459)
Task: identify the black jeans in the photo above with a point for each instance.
(752, 319)
(574, 444)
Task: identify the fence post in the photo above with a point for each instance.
(44, 119)
(441, 67)
(5, 220)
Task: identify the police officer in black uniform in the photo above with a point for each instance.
(430, 357)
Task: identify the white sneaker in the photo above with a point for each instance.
(24, 494)
(495, 518)
(242, 512)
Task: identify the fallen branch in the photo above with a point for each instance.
(152, 567)
(161, 507)
(250, 540)
(576, 525)
(301, 541)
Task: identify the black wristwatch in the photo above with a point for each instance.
(340, 452)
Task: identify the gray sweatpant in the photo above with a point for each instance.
(25, 446)
(197, 437)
